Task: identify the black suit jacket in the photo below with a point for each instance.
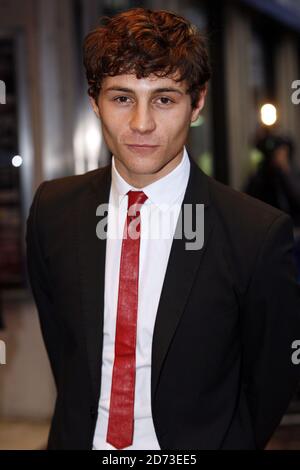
(222, 374)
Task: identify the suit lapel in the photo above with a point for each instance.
(91, 250)
(181, 271)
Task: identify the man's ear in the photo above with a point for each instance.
(95, 106)
(199, 105)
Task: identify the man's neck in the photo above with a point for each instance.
(142, 180)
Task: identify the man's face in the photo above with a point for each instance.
(149, 111)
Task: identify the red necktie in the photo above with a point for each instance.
(121, 411)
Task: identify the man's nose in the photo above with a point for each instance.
(142, 119)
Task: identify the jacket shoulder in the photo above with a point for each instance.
(239, 209)
(59, 192)
(245, 227)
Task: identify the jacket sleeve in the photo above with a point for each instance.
(41, 286)
(270, 322)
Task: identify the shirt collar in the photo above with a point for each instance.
(163, 192)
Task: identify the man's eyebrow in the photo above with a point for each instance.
(155, 90)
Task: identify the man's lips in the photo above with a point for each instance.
(141, 145)
(142, 149)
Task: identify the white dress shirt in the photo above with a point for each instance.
(159, 215)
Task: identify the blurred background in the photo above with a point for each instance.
(248, 137)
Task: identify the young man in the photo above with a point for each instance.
(156, 343)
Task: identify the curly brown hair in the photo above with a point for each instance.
(144, 42)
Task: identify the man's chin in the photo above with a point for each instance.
(140, 166)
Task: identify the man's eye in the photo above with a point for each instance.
(165, 98)
(119, 97)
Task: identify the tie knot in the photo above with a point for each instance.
(135, 201)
